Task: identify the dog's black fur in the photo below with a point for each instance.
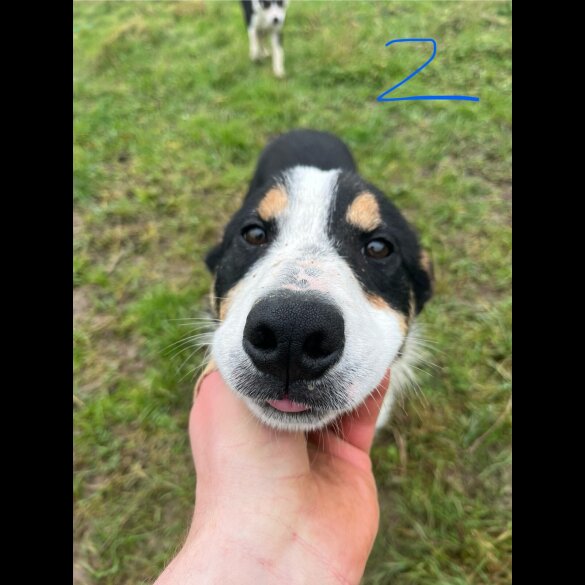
(248, 11)
(301, 147)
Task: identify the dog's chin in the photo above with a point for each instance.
(303, 406)
(310, 419)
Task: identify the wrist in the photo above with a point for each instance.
(269, 557)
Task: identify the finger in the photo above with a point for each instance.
(224, 431)
(359, 427)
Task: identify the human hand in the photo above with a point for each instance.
(274, 506)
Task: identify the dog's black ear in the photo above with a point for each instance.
(213, 257)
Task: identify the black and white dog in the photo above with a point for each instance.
(265, 18)
(317, 282)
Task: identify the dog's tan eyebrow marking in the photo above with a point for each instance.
(380, 303)
(226, 302)
(224, 305)
(212, 299)
(377, 301)
(272, 204)
(364, 212)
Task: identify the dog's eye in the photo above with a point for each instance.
(266, 4)
(254, 235)
(378, 249)
(279, 3)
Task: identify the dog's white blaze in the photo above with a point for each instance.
(304, 258)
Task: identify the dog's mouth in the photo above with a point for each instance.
(285, 414)
(288, 406)
(293, 366)
(299, 406)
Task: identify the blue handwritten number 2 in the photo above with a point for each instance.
(381, 97)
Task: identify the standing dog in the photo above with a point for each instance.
(317, 283)
(265, 18)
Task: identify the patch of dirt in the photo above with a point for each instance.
(81, 304)
(80, 576)
(113, 358)
(127, 352)
(77, 224)
(190, 8)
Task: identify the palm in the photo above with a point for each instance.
(344, 493)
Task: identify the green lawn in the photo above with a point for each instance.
(169, 119)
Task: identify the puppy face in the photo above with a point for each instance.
(317, 282)
(270, 13)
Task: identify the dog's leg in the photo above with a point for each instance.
(254, 44)
(277, 54)
(264, 48)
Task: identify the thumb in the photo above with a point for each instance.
(224, 433)
(359, 427)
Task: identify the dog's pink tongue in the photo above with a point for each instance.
(287, 405)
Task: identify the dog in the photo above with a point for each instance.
(266, 18)
(317, 282)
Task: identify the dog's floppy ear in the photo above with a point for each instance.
(212, 258)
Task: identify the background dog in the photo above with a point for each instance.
(317, 283)
(265, 18)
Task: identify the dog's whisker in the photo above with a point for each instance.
(195, 349)
(418, 338)
(195, 370)
(197, 319)
(180, 342)
(419, 369)
(187, 339)
(188, 358)
(170, 350)
(420, 394)
(187, 374)
(179, 349)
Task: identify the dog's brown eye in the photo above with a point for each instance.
(254, 235)
(379, 249)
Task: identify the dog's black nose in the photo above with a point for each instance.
(275, 20)
(294, 336)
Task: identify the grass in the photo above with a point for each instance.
(169, 118)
